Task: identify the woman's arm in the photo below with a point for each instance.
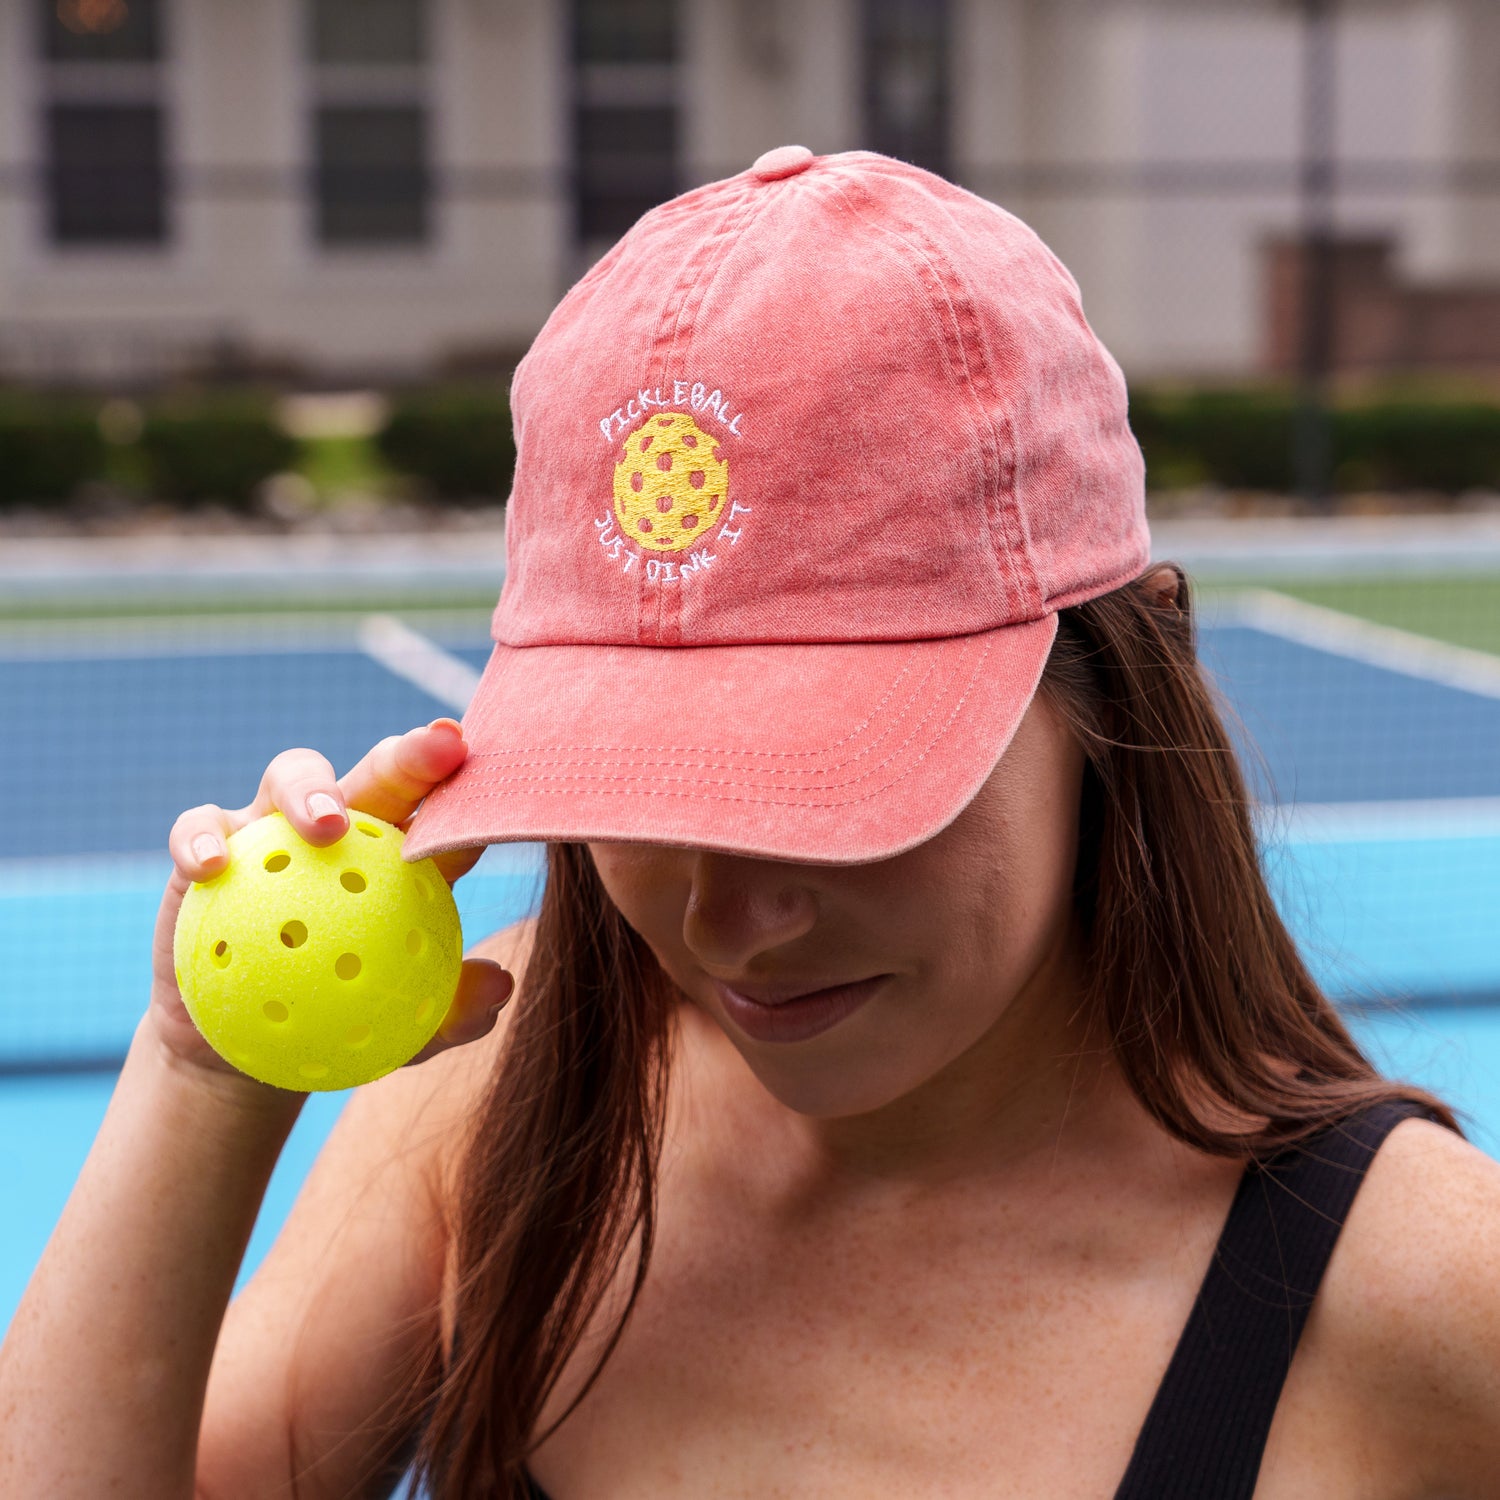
(349, 1298)
(1410, 1310)
(103, 1370)
(103, 1373)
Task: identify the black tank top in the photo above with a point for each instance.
(1206, 1430)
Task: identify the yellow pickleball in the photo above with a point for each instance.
(315, 969)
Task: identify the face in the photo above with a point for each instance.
(916, 963)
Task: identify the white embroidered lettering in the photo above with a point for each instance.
(616, 548)
(733, 536)
(661, 569)
(696, 394)
(736, 509)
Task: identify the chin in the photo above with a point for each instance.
(832, 1088)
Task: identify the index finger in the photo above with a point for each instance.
(398, 773)
(407, 767)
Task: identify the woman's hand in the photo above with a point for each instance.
(389, 782)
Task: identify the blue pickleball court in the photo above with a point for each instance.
(1382, 833)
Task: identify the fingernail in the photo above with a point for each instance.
(321, 805)
(207, 846)
(450, 725)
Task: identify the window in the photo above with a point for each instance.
(905, 47)
(104, 174)
(370, 128)
(103, 127)
(625, 115)
(101, 31)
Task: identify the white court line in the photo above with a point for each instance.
(1310, 823)
(82, 874)
(1359, 640)
(1374, 822)
(399, 649)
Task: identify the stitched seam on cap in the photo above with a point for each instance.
(1002, 469)
(697, 794)
(870, 718)
(607, 769)
(519, 756)
(688, 292)
(720, 750)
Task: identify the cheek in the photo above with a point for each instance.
(1001, 879)
(648, 887)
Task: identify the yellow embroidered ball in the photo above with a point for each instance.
(670, 483)
(315, 969)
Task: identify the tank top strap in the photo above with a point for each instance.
(1206, 1431)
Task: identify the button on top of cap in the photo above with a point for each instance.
(784, 161)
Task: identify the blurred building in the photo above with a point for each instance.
(336, 191)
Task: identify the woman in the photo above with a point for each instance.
(909, 1087)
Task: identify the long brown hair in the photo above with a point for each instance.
(1213, 1016)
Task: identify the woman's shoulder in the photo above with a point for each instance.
(1409, 1311)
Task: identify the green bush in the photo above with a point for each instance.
(49, 446)
(1243, 439)
(212, 446)
(1238, 438)
(454, 441)
(1427, 445)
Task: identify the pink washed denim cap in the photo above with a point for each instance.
(807, 464)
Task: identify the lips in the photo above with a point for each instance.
(786, 1013)
(783, 994)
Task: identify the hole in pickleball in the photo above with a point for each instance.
(424, 885)
(277, 862)
(415, 942)
(352, 880)
(274, 1010)
(369, 830)
(347, 966)
(423, 1011)
(220, 954)
(314, 1070)
(357, 1036)
(293, 934)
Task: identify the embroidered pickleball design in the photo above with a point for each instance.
(671, 483)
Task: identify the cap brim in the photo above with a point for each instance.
(822, 753)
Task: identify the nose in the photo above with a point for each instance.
(738, 908)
